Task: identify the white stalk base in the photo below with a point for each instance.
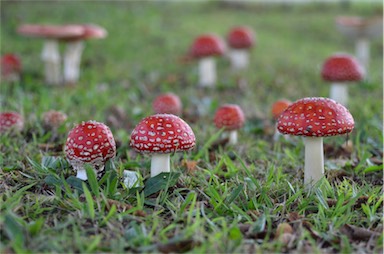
(51, 59)
(239, 59)
(314, 160)
(207, 72)
(339, 93)
(232, 135)
(160, 163)
(362, 52)
(72, 60)
(82, 174)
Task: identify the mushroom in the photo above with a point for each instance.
(277, 108)
(160, 135)
(10, 67)
(231, 118)
(205, 48)
(341, 69)
(53, 119)
(11, 121)
(90, 143)
(73, 52)
(315, 118)
(361, 30)
(168, 103)
(240, 40)
(50, 54)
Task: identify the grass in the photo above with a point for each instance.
(218, 198)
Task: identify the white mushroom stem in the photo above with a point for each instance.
(239, 59)
(82, 174)
(314, 160)
(51, 58)
(160, 163)
(362, 52)
(207, 72)
(339, 93)
(72, 60)
(232, 135)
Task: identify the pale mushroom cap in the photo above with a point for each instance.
(315, 117)
(162, 133)
(53, 118)
(51, 31)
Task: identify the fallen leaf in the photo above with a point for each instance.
(358, 233)
(121, 207)
(191, 165)
(177, 246)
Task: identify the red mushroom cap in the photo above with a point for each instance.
(53, 118)
(10, 63)
(315, 117)
(162, 133)
(51, 31)
(229, 116)
(11, 121)
(241, 37)
(207, 45)
(279, 106)
(342, 68)
(168, 103)
(92, 143)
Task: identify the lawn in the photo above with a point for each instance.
(219, 198)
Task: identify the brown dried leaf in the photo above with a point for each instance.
(177, 246)
(283, 228)
(190, 165)
(358, 233)
(121, 207)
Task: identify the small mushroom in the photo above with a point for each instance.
(73, 52)
(10, 67)
(231, 118)
(53, 119)
(205, 48)
(362, 30)
(341, 69)
(160, 135)
(277, 108)
(315, 118)
(240, 40)
(168, 103)
(51, 55)
(11, 121)
(90, 143)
